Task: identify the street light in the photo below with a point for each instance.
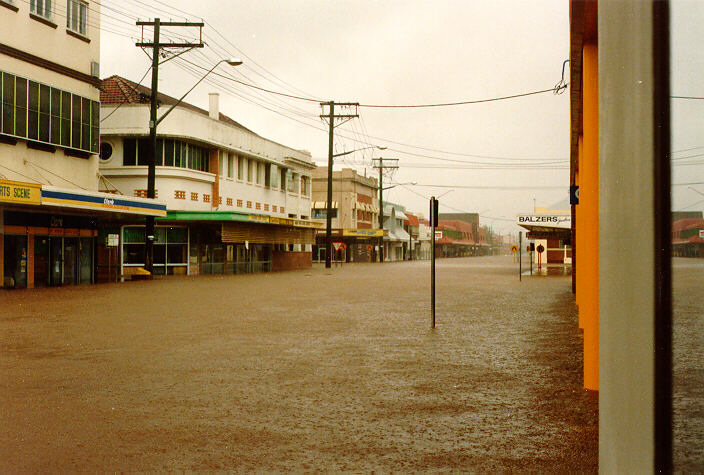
(328, 211)
(151, 170)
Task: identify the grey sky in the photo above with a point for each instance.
(396, 52)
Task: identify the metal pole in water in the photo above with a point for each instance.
(520, 254)
(433, 223)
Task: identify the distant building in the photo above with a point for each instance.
(551, 229)
(397, 241)
(237, 202)
(688, 237)
(355, 215)
(51, 211)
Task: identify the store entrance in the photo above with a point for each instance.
(15, 263)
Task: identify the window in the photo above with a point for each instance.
(240, 168)
(222, 159)
(76, 15)
(251, 165)
(21, 107)
(291, 181)
(305, 185)
(32, 111)
(129, 152)
(230, 165)
(8, 103)
(273, 176)
(260, 173)
(41, 8)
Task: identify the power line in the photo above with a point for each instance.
(460, 103)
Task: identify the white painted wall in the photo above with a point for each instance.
(54, 44)
(193, 127)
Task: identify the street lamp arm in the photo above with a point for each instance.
(357, 150)
(173, 106)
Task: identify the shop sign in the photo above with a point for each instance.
(363, 232)
(113, 240)
(438, 234)
(258, 218)
(701, 234)
(16, 192)
(548, 220)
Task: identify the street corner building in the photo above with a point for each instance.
(237, 202)
(51, 209)
(355, 215)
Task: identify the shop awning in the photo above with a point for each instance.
(96, 200)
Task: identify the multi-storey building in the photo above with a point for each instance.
(50, 207)
(236, 202)
(355, 218)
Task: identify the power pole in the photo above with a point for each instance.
(381, 168)
(331, 116)
(156, 46)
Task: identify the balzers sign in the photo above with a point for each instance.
(549, 220)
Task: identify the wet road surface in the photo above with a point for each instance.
(313, 370)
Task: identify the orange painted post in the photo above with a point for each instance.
(2, 255)
(214, 167)
(579, 233)
(589, 214)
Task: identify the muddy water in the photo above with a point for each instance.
(315, 370)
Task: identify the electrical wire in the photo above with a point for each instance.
(460, 103)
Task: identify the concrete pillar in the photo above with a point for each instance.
(589, 215)
(627, 228)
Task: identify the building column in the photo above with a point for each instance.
(589, 216)
(635, 213)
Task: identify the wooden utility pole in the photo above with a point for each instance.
(331, 116)
(156, 46)
(381, 168)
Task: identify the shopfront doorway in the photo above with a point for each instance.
(15, 261)
(60, 260)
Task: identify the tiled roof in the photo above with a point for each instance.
(118, 90)
(412, 220)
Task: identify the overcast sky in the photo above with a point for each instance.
(404, 52)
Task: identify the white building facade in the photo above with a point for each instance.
(237, 202)
(50, 207)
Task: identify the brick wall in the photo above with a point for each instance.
(282, 261)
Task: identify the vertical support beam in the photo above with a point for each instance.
(30, 261)
(2, 248)
(663, 241)
(634, 396)
(589, 215)
(577, 234)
